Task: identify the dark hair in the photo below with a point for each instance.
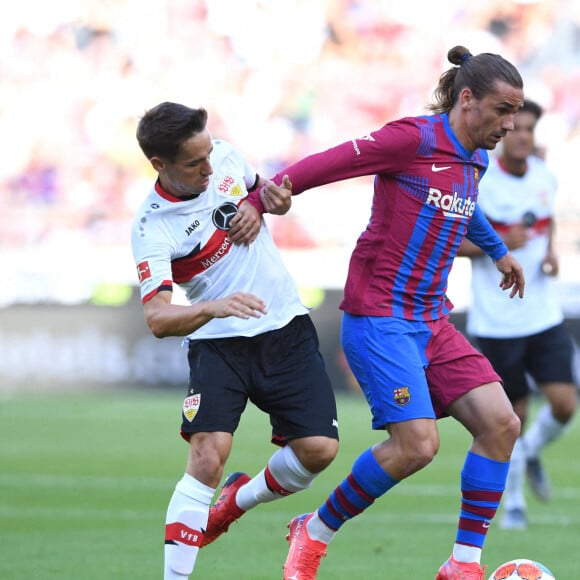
(532, 107)
(479, 73)
(163, 129)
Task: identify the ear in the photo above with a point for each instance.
(465, 98)
(157, 164)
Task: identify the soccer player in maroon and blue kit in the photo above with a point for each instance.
(412, 364)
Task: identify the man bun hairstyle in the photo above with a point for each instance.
(479, 73)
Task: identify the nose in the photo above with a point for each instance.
(207, 168)
(509, 123)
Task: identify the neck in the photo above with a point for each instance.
(457, 125)
(516, 167)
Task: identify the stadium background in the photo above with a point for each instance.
(281, 79)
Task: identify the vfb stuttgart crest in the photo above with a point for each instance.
(191, 406)
(222, 215)
(402, 396)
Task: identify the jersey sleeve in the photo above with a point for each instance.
(251, 177)
(390, 149)
(153, 261)
(482, 234)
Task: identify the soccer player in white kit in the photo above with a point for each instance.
(249, 336)
(528, 337)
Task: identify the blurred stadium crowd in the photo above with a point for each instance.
(281, 79)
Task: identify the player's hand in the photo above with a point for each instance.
(239, 304)
(550, 265)
(512, 275)
(245, 225)
(277, 199)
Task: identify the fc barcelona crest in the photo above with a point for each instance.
(402, 396)
(190, 406)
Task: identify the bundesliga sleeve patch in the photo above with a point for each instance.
(191, 406)
(143, 271)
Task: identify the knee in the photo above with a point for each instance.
(509, 427)
(207, 457)
(421, 453)
(513, 427)
(401, 457)
(208, 466)
(563, 408)
(315, 453)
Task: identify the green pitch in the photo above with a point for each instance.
(85, 481)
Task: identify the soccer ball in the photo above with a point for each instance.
(523, 569)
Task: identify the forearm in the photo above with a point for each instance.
(348, 160)
(254, 196)
(481, 233)
(468, 249)
(176, 319)
(167, 319)
(316, 170)
(551, 234)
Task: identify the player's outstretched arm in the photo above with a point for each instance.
(512, 275)
(167, 319)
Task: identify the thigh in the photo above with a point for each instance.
(455, 366)
(508, 357)
(387, 357)
(217, 390)
(290, 383)
(550, 355)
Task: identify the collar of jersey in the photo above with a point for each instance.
(461, 150)
(170, 197)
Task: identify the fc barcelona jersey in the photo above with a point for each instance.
(424, 203)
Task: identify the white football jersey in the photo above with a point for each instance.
(505, 199)
(185, 242)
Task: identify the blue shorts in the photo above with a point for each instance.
(411, 369)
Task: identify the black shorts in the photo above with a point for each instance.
(282, 372)
(546, 357)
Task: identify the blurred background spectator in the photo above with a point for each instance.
(285, 77)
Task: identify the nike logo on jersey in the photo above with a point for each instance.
(435, 168)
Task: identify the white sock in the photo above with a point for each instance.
(513, 497)
(463, 553)
(318, 530)
(542, 431)
(187, 515)
(285, 474)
